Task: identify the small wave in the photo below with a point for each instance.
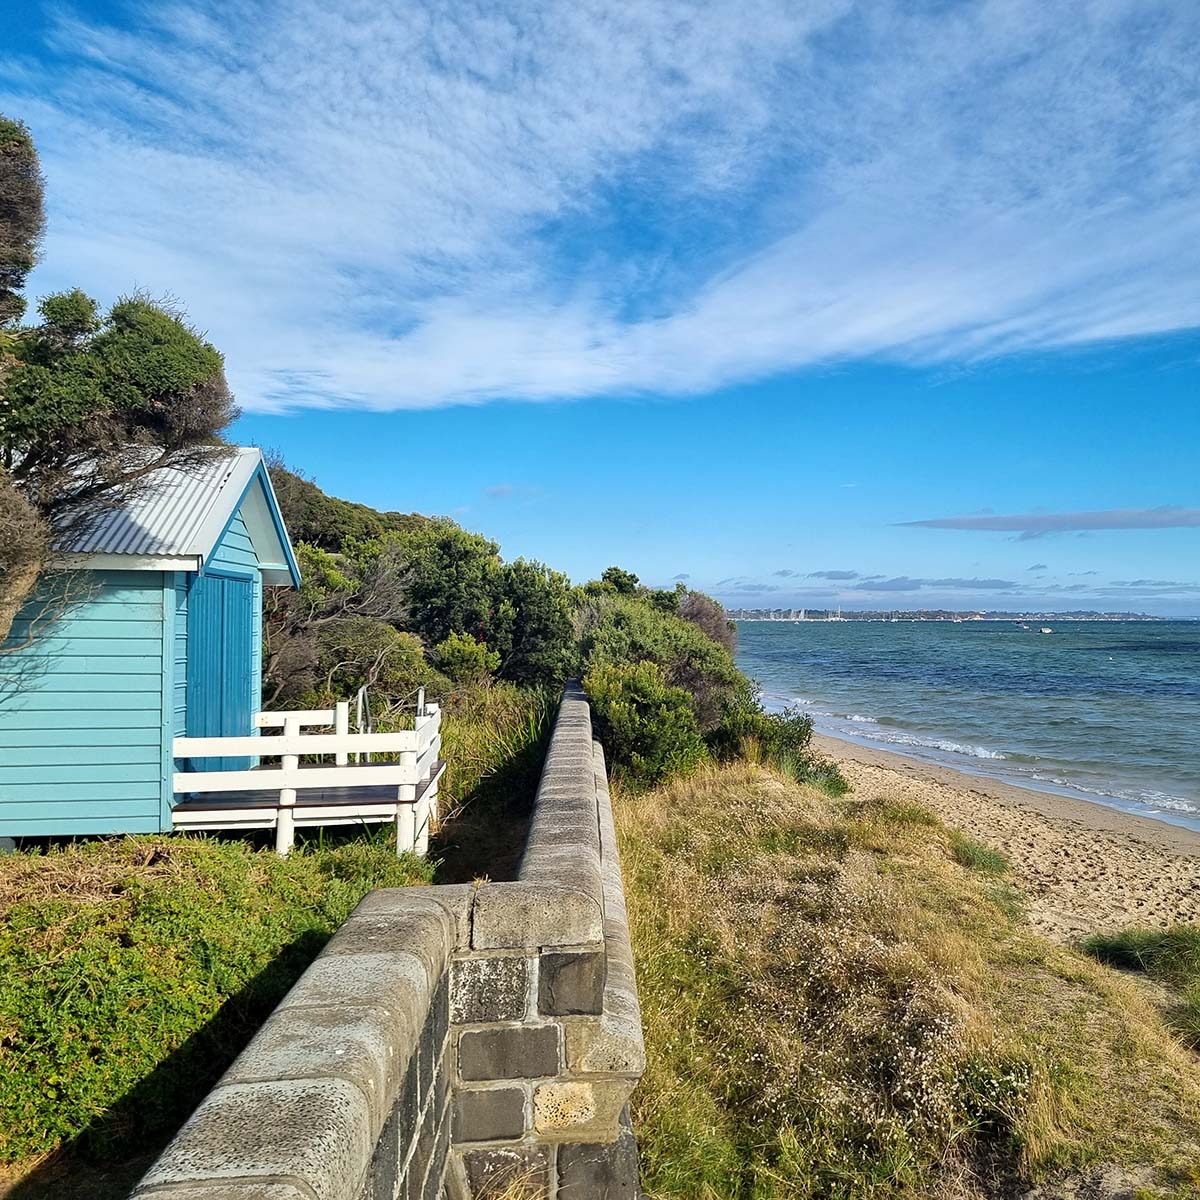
(947, 747)
(895, 737)
(1142, 797)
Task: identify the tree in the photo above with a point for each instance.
(338, 630)
(451, 583)
(91, 404)
(325, 521)
(464, 660)
(22, 216)
(540, 648)
(624, 583)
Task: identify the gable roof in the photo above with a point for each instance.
(176, 521)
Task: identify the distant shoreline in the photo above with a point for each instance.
(963, 619)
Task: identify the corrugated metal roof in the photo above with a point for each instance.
(167, 517)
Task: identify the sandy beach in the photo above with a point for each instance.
(1084, 867)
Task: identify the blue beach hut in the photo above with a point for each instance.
(155, 631)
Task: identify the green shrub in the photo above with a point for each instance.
(464, 660)
(628, 629)
(133, 971)
(647, 726)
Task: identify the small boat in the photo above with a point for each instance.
(1045, 629)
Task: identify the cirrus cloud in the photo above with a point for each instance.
(1035, 525)
(404, 206)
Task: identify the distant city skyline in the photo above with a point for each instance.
(859, 303)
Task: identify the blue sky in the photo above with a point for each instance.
(735, 292)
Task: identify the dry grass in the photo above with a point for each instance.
(836, 1007)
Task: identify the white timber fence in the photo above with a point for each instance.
(298, 786)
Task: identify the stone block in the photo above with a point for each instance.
(452, 898)
(509, 1052)
(489, 1115)
(428, 934)
(611, 1044)
(571, 982)
(518, 1172)
(317, 1132)
(384, 1172)
(524, 915)
(598, 1170)
(385, 979)
(423, 1150)
(576, 1109)
(488, 989)
(435, 1176)
(363, 1046)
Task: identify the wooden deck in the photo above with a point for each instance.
(355, 796)
(292, 790)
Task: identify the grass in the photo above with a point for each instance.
(133, 970)
(836, 1006)
(975, 856)
(1170, 956)
(494, 740)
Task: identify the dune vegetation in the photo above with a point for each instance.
(842, 999)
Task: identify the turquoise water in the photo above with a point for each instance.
(1109, 711)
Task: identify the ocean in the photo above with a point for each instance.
(1108, 711)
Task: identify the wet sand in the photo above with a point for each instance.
(1085, 868)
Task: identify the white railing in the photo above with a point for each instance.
(414, 777)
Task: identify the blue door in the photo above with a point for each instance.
(221, 662)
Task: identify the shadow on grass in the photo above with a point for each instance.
(486, 835)
(105, 1159)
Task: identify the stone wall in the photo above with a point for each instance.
(457, 1042)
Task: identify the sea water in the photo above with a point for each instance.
(1105, 710)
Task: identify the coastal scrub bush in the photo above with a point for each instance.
(134, 970)
(709, 616)
(645, 723)
(619, 629)
(464, 660)
(782, 739)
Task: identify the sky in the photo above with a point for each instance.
(879, 305)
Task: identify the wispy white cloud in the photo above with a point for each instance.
(401, 206)
(904, 583)
(1035, 525)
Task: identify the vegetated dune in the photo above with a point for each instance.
(845, 998)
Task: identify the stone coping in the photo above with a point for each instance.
(558, 898)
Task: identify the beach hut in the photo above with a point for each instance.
(154, 631)
(130, 689)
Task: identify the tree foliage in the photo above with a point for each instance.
(22, 216)
(464, 660)
(92, 403)
(326, 521)
(625, 629)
